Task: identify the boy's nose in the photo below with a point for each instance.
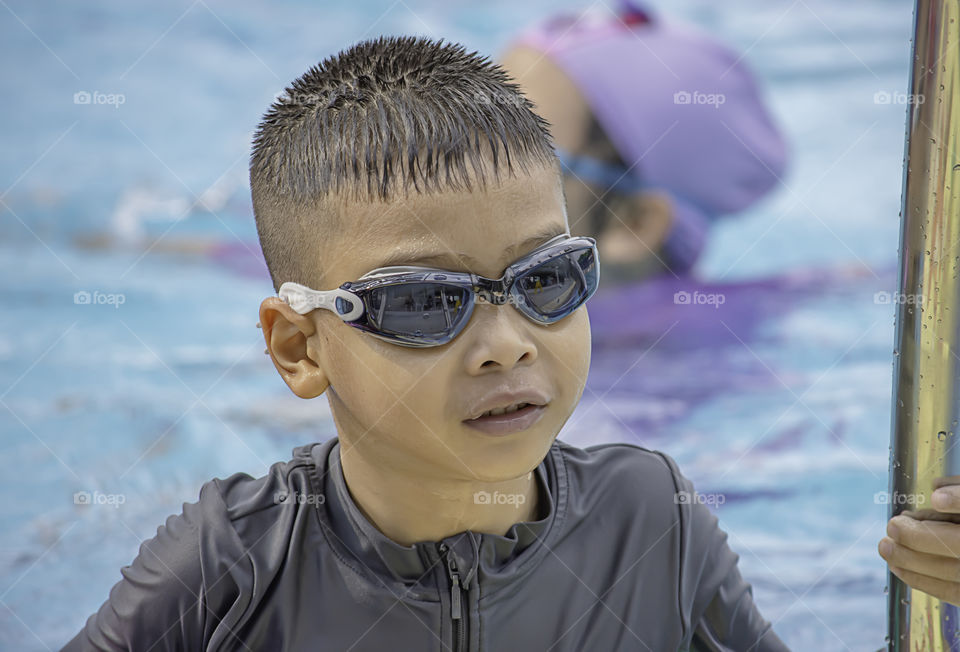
(499, 337)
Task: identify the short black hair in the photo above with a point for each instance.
(382, 116)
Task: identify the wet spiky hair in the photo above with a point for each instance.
(378, 118)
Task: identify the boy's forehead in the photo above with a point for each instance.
(480, 231)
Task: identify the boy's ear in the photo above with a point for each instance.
(285, 332)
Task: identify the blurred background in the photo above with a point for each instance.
(131, 370)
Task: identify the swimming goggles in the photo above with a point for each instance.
(424, 306)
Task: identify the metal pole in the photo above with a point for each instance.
(926, 366)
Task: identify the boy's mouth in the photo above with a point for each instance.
(506, 413)
(505, 423)
(507, 410)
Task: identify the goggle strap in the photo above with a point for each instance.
(304, 299)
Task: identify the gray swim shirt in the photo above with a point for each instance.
(619, 558)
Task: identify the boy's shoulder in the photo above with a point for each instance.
(622, 466)
(285, 484)
(208, 553)
(627, 484)
(245, 494)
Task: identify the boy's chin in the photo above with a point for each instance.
(502, 458)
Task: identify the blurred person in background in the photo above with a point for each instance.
(660, 128)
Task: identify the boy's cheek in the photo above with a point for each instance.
(370, 392)
(571, 351)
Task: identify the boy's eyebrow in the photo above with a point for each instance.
(417, 258)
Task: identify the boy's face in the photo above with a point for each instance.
(404, 407)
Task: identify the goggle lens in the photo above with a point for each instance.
(416, 309)
(557, 287)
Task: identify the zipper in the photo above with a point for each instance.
(456, 599)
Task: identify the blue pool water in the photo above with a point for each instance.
(779, 400)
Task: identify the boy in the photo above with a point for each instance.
(445, 514)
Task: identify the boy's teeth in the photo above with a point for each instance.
(507, 410)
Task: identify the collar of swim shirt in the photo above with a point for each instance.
(495, 561)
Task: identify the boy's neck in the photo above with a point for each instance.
(408, 510)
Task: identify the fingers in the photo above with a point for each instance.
(947, 499)
(934, 537)
(925, 554)
(935, 566)
(941, 589)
